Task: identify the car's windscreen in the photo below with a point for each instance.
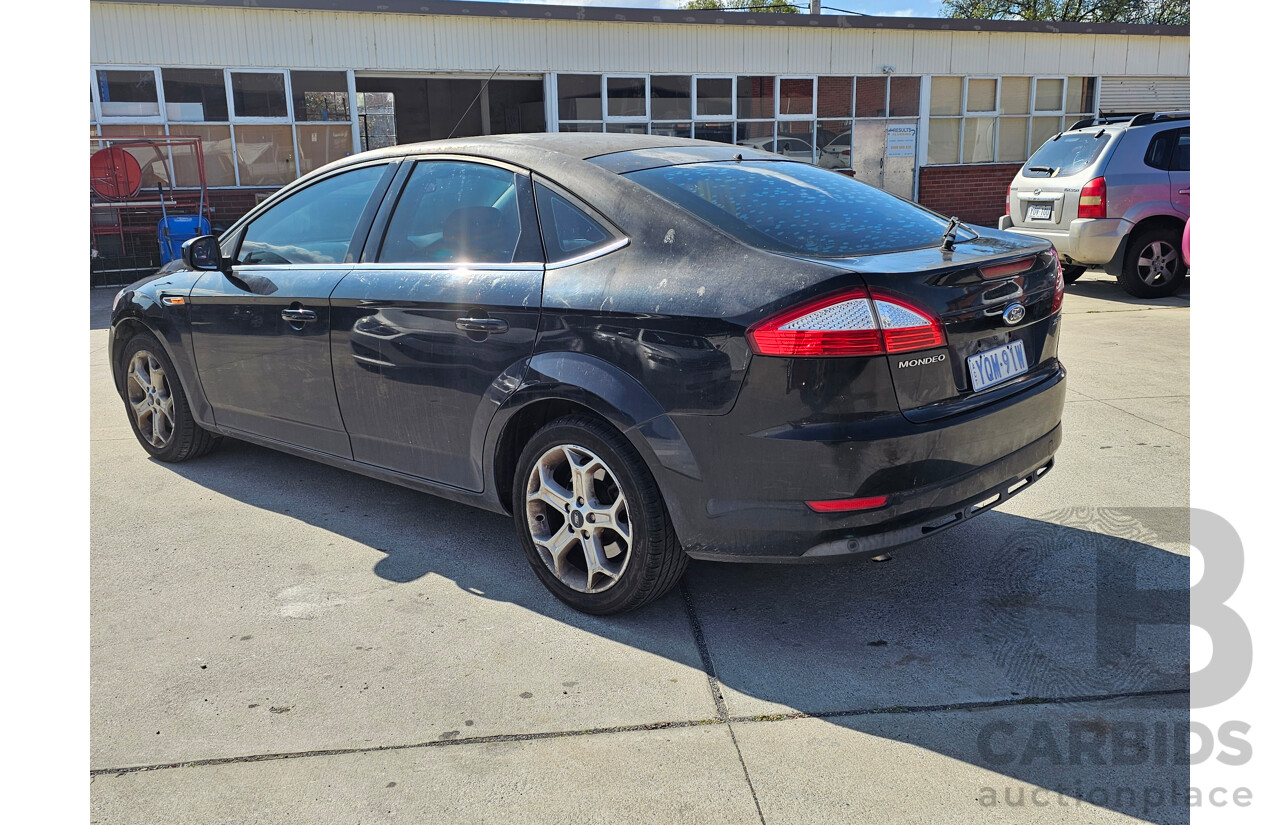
(1066, 155)
(795, 208)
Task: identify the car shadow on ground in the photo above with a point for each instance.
(1098, 285)
(1050, 653)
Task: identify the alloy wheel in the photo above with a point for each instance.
(150, 399)
(578, 518)
(1157, 263)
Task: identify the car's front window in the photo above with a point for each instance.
(313, 226)
(795, 208)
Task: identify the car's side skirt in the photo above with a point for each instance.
(485, 501)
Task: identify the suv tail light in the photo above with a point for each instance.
(854, 323)
(1093, 199)
(1008, 200)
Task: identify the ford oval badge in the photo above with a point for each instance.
(1014, 313)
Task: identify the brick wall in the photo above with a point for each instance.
(972, 193)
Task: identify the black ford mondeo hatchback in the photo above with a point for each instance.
(643, 348)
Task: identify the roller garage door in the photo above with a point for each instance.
(1144, 94)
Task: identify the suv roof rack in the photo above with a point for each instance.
(1156, 117)
(1098, 121)
(1130, 118)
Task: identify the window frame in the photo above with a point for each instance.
(97, 120)
(619, 240)
(604, 100)
(733, 98)
(112, 120)
(1029, 116)
(372, 207)
(381, 225)
(237, 118)
(1062, 99)
(812, 114)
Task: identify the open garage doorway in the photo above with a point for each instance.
(394, 110)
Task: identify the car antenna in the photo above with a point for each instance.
(949, 237)
(473, 101)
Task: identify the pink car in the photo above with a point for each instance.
(1186, 243)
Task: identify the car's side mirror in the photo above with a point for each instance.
(202, 253)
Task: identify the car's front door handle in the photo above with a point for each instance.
(1184, 191)
(298, 316)
(493, 326)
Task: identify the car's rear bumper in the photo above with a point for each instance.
(1089, 241)
(936, 475)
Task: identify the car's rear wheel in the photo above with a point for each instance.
(1072, 273)
(1153, 265)
(592, 520)
(158, 410)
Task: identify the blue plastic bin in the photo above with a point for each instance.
(175, 230)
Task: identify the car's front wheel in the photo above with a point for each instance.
(1153, 265)
(157, 406)
(592, 520)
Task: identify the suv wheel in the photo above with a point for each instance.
(1072, 273)
(591, 519)
(1153, 265)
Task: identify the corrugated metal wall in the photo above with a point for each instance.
(1140, 94)
(129, 34)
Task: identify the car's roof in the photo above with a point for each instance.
(576, 145)
(575, 154)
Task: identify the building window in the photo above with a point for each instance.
(837, 122)
(256, 128)
(1002, 119)
(259, 95)
(129, 93)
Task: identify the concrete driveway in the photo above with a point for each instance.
(277, 641)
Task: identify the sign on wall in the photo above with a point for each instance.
(901, 141)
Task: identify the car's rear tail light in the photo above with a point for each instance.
(1093, 199)
(845, 505)
(907, 327)
(853, 323)
(1059, 283)
(1008, 200)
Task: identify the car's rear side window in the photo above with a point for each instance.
(1170, 150)
(795, 208)
(458, 212)
(1066, 155)
(567, 231)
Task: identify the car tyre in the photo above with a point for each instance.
(1153, 265)
(591, 519)
(1071, 274)
(156, 404)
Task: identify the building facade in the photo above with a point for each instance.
(941, 111)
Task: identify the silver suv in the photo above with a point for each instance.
(1114, 193)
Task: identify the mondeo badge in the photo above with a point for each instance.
(1014, 313)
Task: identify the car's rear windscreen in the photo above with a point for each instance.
(1066, 154)
(795, 208)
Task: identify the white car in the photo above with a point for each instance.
(837, 153)
(796, 148)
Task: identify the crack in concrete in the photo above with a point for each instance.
(690, 723)
(722, 709)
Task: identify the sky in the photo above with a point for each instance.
(883, 8)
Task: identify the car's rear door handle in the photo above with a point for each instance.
(493, 326)
(298, 316)
(1184, 191)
